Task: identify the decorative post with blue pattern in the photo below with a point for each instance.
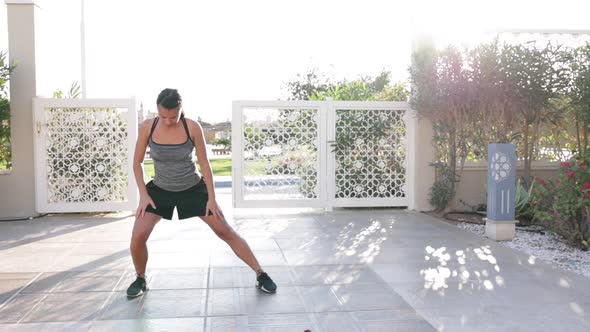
(500, 222)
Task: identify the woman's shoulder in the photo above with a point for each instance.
(145, 127)
(147, 124)
(192, 124)
(149, 121)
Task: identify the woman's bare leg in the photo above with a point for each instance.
(234, 240)
(141, 232)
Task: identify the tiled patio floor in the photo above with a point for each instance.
(347, 270)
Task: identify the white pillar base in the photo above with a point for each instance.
(500, 230)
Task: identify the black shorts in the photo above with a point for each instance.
(189, 203)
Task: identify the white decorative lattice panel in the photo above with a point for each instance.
(84, 154)
(280, 153)
(322, 154)
(370, 153)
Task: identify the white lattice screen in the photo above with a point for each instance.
(281, 150)
(83, 155)
(371, 159)
(321, 153)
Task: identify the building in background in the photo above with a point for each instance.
(213, 132)
(222, 130)
(142, 115)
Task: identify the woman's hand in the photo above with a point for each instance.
(144, 201)
(214, 208)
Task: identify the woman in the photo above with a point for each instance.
(172, 138)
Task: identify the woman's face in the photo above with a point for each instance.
(169, 116)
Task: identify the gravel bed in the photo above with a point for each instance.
(547, 247)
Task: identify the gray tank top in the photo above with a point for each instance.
(173, 163)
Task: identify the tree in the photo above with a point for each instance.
(397, 92)
(490, 93)
(315, 87)
(579, 95)
(305, 86)
(440, 83)
(492, 99)
(538, 76)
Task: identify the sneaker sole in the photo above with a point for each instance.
(265, 290)
(136, 295)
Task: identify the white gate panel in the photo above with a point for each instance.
(277, 154)
(84, 154)
(322, 154)
(368, 165)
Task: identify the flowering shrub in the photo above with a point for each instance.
(563, 204)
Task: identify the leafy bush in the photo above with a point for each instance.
(226, 142)
(523, 197)
(563, 204)
(442, 191)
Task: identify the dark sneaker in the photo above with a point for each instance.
(137, 287)
(265, 283)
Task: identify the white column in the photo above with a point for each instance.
(21, 47)
(424, 151)
(424, 174)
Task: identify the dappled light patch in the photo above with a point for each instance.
(455, 268)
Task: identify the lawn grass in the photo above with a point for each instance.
(221, 167)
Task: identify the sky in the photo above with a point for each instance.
(216, 52)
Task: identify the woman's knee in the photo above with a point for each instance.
(225, 233)
(221, 228)
(139, 239)
(142, 229)
(139, 236)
